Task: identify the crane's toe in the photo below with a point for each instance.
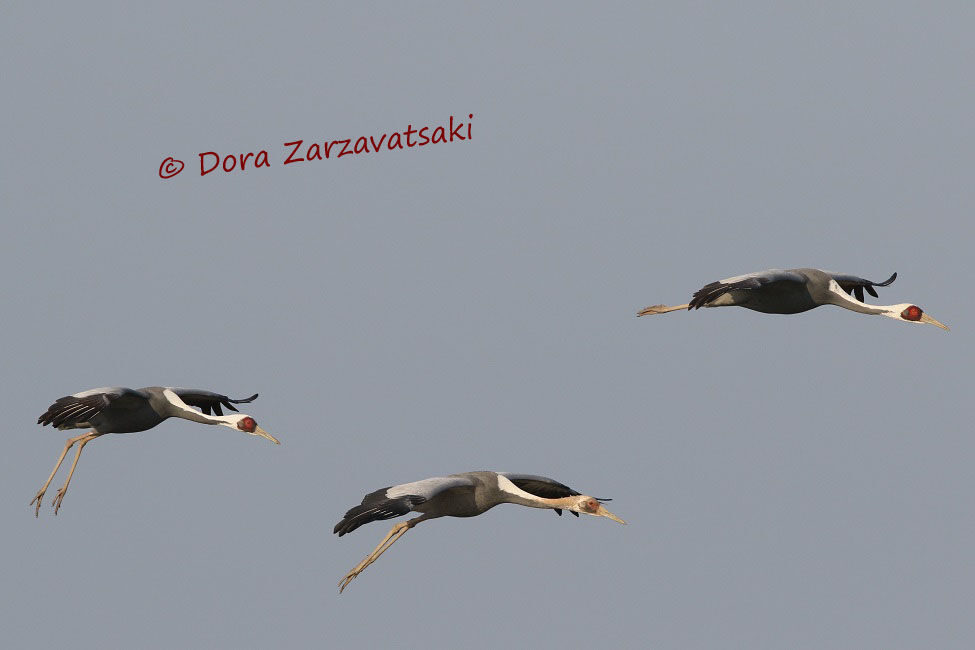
(58, 498)
(37, 499)
(357, 569)
(349, 577)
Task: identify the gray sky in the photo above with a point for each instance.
(790, 482)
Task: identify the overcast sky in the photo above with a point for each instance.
(789, 482)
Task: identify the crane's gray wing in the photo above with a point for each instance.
(749, 281)
(397, 500)
(73, 410)
(542, 486)
(206, 400)
(855, 285)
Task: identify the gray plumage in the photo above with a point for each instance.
(778, 291)
(793, 291)
(116, 409)
(467, 494)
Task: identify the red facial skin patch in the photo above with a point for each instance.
(247, 424)
(912, 313)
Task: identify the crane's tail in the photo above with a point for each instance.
(660, 309)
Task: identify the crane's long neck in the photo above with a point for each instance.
(514, 494)
(836, 296)
(179, 409)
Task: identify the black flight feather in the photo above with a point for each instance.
(376, 506)
(209, 402)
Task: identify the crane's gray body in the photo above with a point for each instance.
(117, 409)
(136, 410)
(778, 291)
(478, 493)
(466, 494)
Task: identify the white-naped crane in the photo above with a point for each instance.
(467, 494)
(125, 410)
(793, 291)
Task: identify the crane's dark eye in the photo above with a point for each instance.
(592, 505)
(247, 424)
(912, 313)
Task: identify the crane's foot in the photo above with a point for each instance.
(58, 498)
(349, 577)
(37, 499)
(659, 309)
(397, 531)
(359, 568)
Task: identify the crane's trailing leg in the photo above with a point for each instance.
(84, 440)
(659, 309)
(397, 531)
(43, 490)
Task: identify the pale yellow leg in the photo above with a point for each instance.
(43, 490)
(659, 309)
(59, 497)
(397, 531)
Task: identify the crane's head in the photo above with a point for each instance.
(592, 506)
(911, 314)
(247, 424)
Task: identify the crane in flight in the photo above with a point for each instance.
(793, 291)
(460, 495)
(125, 410)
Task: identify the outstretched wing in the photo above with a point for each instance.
(854, 285)
(396, 500)
(542, 486)
(749, 281)
(77, 410)
(208, 401)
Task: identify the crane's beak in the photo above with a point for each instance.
(927, 319)
(603, 512)
(264, 434)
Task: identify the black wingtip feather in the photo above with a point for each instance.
(71, 410)
(229, 404)
(856, 286)
(376, 506)
(887, 281)
(712, 291)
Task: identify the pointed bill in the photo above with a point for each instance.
(264, 434)
(603, 512)
(927, 319)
